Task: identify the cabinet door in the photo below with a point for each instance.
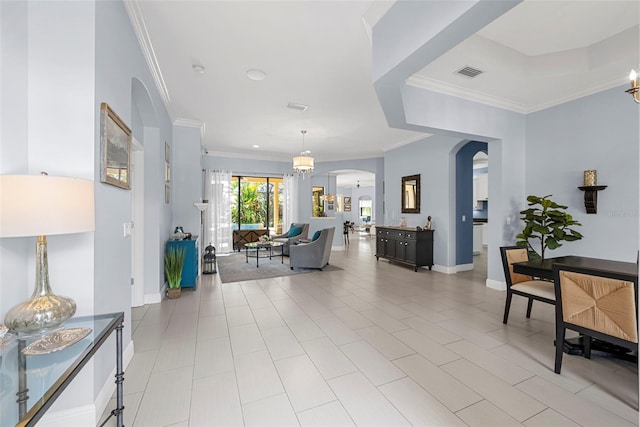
(410, 251)
(391, 250)
(400, 249)
(380, 245)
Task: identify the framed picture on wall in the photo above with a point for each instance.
(115, 149)
(347, 200)
(167, 172)
(167, 152)
(167, 193)
(330, 206)
(347, 208)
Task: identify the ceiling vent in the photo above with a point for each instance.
(469, 72)
(295, 106)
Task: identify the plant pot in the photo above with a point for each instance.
(173, 293)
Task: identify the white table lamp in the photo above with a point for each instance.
(40, 206)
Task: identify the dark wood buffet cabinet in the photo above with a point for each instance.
(405, 245)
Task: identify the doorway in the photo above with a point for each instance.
(136, 227)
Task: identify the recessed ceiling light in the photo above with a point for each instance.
(255, 146)
(198, 68)
(255, 74)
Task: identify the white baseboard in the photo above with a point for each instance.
(88, 415)
(464, 267)
(495, 284)
(155, 298)
(444, 269)
(337, 248)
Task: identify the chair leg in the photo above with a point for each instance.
(507, 306)
(529, 305)
(560, 332)
(586, 342)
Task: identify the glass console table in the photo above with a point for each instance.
(29, 384)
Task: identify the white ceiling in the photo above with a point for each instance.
(318, 53)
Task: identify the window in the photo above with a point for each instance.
(317, 201)
(256, 203)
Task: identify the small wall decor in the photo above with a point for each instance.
(167, 172)
(115, 148)
(167, 152)
(591, 189)
(347, 200)
(167, 193)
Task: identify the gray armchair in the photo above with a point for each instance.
(314, 254)
(286, 240)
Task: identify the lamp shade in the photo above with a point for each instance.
(42, 205)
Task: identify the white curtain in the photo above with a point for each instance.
(290, 202)
(217, 224)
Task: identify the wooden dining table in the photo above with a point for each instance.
(543, 269)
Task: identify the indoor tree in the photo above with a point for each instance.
(547, 224)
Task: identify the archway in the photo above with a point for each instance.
(145, 237)
(469, 214)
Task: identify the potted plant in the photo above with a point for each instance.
(547, 223)
(173, 263)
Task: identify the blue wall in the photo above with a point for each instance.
(464, 200)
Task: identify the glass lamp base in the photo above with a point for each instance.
(40, 314)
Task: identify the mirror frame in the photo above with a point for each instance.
(405, 180)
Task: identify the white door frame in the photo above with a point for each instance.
(137, 215)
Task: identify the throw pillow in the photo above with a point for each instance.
(294, 231)
(315, 236)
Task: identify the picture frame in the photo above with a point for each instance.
(167, 152)
(115, 149)
(347, 208)
(347, 200)
(167, 193)
(330, 206)
(167, 172)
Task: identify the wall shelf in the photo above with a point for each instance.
(591, 197)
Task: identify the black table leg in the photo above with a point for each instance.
(118, 412)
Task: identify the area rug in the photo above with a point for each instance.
(234, 268)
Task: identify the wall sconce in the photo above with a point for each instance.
(591, 189)
(633, 91)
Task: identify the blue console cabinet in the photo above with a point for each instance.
(190, 269)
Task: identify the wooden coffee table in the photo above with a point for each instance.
(254, 249)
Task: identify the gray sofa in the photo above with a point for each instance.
(286, 240)
(314, 254)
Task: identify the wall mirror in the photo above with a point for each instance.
(411, 194)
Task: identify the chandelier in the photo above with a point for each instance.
(633, 76)
(303, 163)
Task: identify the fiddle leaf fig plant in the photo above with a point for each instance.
(546, 225)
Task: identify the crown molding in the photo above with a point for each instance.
(191, 124)
(140, 28)
(461, 92)
(589, 90)
(494, 101)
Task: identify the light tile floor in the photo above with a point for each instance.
(371, 344)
